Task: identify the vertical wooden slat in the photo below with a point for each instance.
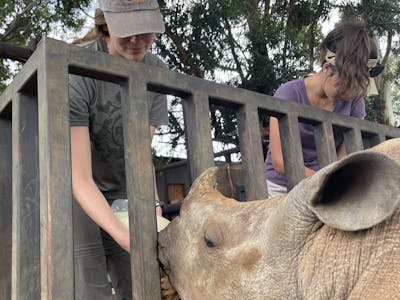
(291, 150)
(198, 133)
(381, 138)
(26, 217)
(252, 155)
(325, 145)
(140, 189)
(5, 208)
(353, 140)
(57, 277)
(373, 139)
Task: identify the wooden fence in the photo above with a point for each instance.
(36, 253)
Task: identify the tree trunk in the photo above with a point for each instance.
(387, 116)
(387, 109)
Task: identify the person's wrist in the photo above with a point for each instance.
(121, 236)
(159, 211)
(157, 203)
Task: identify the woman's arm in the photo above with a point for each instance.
(275, 146)
(276, 149)
(158, 208)
(341, 152)
(86, 191)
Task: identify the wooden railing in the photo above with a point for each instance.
(36, 253)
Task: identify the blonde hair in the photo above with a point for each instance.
(97, 32)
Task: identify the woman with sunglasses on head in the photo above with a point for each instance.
(101, 242)
(349, 58)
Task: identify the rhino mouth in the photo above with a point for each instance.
(168, 291)
(163, 261)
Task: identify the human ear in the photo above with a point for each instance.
(326, 67)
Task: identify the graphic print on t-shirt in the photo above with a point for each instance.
(107, 135)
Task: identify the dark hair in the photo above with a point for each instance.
(353, 47)
(98, 31)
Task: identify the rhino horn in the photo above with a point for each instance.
(205, 182)
(355, 193)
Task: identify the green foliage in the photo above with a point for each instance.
(22, 19)
(253, 46)
(373, 107)
(396, 91)
(4, 74)
(382, 16)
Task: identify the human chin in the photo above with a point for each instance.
(135, 56)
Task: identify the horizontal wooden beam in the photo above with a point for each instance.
(17, 53)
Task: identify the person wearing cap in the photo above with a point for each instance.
(349, 59)
(101, 242)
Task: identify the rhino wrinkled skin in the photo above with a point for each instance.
(336, 235)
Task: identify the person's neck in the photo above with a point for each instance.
(315, 92)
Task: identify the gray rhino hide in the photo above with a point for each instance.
(336, 235)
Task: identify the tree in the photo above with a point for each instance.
(396, 93)
(22, 19)
(257, 42)
(254, 44)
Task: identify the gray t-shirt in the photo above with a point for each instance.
(295, 91)
(97, 104)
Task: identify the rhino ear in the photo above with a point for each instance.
(357, 192)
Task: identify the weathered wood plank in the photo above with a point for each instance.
(325, 144)
(198, 133)
(5, 208)
(291, 149)
(26, 217)
(57, 281)
(353, 140)
(140, 189)
(252, 155)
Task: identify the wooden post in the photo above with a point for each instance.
(198, 133)
(56, 244)
(140, 189)
(26, 217)
(5, 208)
(252, 155)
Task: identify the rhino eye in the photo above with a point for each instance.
(213, 236)
(208, 241)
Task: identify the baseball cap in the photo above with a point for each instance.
(131, 17)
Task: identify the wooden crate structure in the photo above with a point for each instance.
(36, 253)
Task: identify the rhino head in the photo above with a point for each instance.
(326, 239)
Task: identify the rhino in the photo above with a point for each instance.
(335, 235)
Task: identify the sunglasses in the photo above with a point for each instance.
(375, 71)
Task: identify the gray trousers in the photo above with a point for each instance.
(96, 254)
